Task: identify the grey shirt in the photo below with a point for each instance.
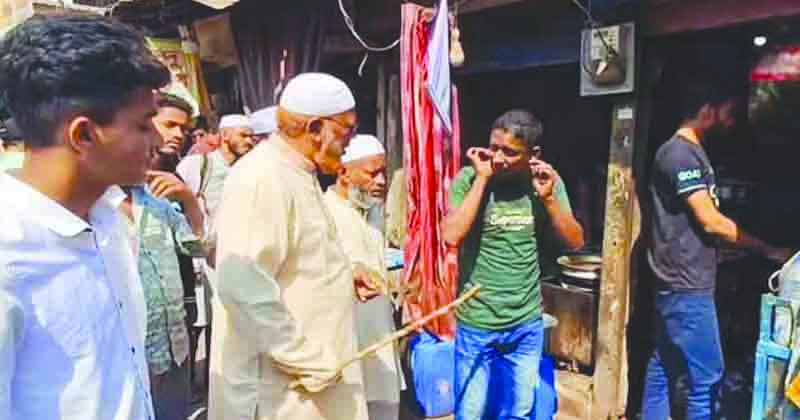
(681, 254)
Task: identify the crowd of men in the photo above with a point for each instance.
(118, 204)
(121, 204)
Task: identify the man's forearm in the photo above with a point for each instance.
(566, 227)
(194, 215)
(728, 231)
(458, 223)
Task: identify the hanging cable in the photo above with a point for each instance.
(587, 12)
(349, 23)
(363, 63)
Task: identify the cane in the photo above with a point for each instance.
(408, 329)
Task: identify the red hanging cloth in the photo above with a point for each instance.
(431, 160)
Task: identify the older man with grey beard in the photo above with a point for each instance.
(356, 203)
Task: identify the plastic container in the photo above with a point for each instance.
(433, 367)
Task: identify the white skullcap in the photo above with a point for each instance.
(265, 121)
(234, 121)
(362, 146)
(318, 95)
(179, 90)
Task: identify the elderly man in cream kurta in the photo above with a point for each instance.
(360, 188)
(285, 285)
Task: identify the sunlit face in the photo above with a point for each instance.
(369, 176)
(511, 155)
(240, 140)
(173, 124)
(121, 150)
(335, 135)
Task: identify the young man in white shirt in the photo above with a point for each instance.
(72, 312)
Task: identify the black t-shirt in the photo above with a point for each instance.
(681, 254)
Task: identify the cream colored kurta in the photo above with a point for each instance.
(286, 298)
(364, 244)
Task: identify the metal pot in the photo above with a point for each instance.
(581, 271)
(788, 280)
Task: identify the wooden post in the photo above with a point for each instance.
(394, 126)
(621, 214)
(381, 108)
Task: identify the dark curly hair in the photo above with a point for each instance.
(54, 67)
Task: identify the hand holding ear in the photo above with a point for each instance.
(482, 161)
(544, 178)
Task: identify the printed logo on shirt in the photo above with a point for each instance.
(690, 175)
(511, 218)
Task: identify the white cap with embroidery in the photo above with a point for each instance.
(317, 95)
(234, 121)
(362, 146)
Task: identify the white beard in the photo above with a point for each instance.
(372, 206)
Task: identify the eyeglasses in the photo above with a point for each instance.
(351, 130)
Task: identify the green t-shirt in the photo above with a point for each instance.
(501, 253)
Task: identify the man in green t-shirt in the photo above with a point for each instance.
(504, 209)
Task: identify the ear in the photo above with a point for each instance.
(314, 128)
(81, 133)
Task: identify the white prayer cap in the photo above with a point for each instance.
(179, 90)
(265, 121)
(234, 121)
(362, 146)
(317, 95)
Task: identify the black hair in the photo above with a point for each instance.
(713, 92)
(53, 67)
(201, 123)
(169, 100)
(522, 124)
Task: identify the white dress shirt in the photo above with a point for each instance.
(72, 312)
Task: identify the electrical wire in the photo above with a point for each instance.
(351, 26)
(587, 12)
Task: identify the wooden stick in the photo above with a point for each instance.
(411, 327)
(371, 350)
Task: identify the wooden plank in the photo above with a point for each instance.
(693, 15)
(617, 243)
(478, 5)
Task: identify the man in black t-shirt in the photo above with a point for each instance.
(686, 227)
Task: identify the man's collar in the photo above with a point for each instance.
(219, 156)
(49, 213)
(690, 134)
(290, 155)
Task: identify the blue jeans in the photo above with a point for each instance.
(506, 362)
(687, 345)
(172, 393)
